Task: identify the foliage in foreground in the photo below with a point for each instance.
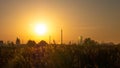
(60, 56)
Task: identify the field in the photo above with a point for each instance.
(60, 56)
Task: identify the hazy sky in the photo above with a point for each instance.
(98, 19)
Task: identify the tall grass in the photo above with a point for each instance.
(60, 56)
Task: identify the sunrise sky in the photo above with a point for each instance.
(98, 19)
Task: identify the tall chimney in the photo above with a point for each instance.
(49, 39)
(61, 36)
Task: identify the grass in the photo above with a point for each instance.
(60, 56)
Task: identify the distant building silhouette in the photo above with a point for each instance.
(17, 41)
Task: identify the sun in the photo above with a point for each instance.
(40, 29)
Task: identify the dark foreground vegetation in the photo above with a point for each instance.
(60, 56)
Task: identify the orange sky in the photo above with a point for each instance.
(96, 19)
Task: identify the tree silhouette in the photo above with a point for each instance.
(17, 41)
(31, 43)
(89, 41)
(1, 42)
(42, 43)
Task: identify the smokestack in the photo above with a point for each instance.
(49, 39)
(61, 36)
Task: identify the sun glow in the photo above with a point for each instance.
(40, 29)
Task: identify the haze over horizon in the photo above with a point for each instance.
(99, 20)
